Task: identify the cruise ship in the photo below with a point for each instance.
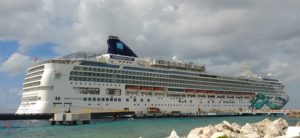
(121, 81)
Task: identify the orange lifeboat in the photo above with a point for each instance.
(219, 92)
(153, 110)
(131, 88)
(238, 93)
(158, 89)
(210, 92)
(248, 93)
(146, 89)
(190, 91)
(229, 93)
(200, 91)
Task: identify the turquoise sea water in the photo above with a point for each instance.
(122, 128)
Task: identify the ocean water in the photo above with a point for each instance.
(122, 128)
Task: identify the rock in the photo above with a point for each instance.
(227, 123)
(277, 128)
(273, 130)
(281, 123)
(219, 127)
(252, 135)
(298, 124)
(262, 129)
(173, 134)
(230, 134)
(195, 133)
(217, 135)
(249, 129)
(227, 126)
(263, 125)
(236, 127)
(268, 136)
(209, 130)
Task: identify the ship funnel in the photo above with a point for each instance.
(116, 46)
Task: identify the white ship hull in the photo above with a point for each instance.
(147, 87)
(56, 78)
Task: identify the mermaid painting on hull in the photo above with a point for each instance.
(260, 100)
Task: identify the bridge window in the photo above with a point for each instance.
(57, 98)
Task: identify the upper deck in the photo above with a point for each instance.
(120, 56)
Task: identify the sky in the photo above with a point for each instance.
(226, 36)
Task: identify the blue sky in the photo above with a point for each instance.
(227, 36)
(11, 85)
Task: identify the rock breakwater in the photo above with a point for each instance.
(263, 129)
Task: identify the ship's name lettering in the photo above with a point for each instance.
(121, 58)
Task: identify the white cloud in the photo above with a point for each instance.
(227, 34)
(263, 34)
(281, 69)
(15, 64)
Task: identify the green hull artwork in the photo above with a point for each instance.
(260, 100)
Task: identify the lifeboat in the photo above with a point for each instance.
(249, 93)
(219, 92)
(200, 91)
(229, 93)
(245, 93)
(190, 91)
(238, 93)
(131, 88)
(146, 89)
(158, 89)
(153, 110)
(210, 92)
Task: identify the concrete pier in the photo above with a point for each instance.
(71, 118)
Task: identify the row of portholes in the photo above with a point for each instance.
(99, 84)
(174, 105)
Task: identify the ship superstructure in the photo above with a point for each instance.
(120, 80)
